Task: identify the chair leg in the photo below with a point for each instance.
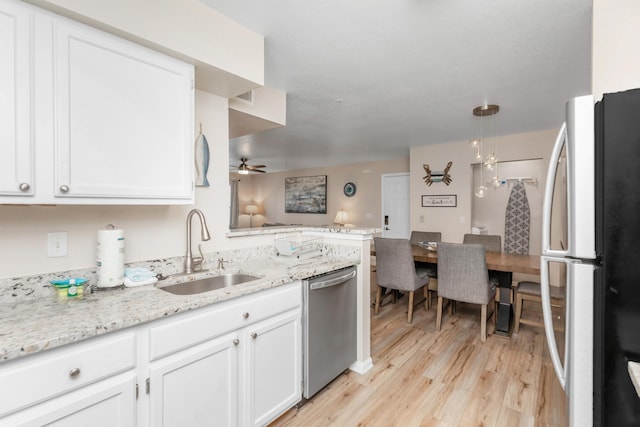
(496, 304)
(516, 327)
(378, 296)
(439, 314)
(427, 297)
(483, 323)
(410, 312)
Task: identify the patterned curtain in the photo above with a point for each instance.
(516, 221)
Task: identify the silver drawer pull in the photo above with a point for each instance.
(245, 315)
(24, 187)
(254, 335)
(64, 188)
(236, 341)
(74, 372)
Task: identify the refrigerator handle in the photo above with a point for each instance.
(548, 323)
(548, 194)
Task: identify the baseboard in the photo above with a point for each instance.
(361, 366)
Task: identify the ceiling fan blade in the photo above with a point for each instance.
(257, 170)
(256, 166)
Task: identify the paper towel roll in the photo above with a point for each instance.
(110, 258)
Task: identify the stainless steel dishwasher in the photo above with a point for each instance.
(329, 327)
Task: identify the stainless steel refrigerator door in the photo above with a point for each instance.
(575, 369)
(576, 137)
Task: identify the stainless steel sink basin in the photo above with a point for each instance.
(207, 284)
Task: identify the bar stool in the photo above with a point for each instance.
(530, 291)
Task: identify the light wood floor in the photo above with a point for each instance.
(449, 378)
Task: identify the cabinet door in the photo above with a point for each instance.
(274, 367)
(16, 144)
(197, 386)
(124, 119)
(108, 403)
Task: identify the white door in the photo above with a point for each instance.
(395, 205)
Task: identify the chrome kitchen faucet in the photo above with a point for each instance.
(191, 263)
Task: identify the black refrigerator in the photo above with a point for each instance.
(596, 165)
(617, 292)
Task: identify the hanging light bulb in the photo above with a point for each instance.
(490, 161)
(481, 191)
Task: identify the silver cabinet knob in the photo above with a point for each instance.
(254, 335)
(64, 188)
(236, 341)
(74, 373)
(24, 187)
(245, 315)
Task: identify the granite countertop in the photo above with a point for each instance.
(33, 318)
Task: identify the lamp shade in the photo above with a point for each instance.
(251, 209)
(341, 217)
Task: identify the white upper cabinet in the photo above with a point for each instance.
(16, 143)
(124, 118)
(112, 121)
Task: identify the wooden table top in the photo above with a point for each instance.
(528, 264)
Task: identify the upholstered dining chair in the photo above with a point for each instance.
(492, 243)
(430, 268)
(463, 276)
(425, 236)
(395, 270)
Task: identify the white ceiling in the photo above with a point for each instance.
(409, 72)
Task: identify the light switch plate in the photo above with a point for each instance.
(57, 244)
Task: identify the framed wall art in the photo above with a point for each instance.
(440, 201)
(305, 194)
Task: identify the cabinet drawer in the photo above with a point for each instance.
(182, 331)
(33, 379)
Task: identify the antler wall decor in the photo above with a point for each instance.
(442, 176)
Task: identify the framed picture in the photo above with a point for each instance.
(305, 194)
(440, 201)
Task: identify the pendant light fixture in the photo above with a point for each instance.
(490, 160)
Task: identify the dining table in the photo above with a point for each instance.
(502, 266)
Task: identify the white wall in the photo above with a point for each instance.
(455, 222)
(229, 58)
(490, 210)
(615, 58)
(364, 208)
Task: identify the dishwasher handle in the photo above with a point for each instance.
(332, 282)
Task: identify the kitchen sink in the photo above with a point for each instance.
(207, 284)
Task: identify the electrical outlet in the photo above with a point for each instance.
(57, 244)
(462, 219)
(368, 215)
(421, 218)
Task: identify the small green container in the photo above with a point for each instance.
(69, 288)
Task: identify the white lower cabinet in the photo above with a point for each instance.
(197, 386)
(273, 368)
(235, 363)
(108, 403)
(247, 375)
(92, 383)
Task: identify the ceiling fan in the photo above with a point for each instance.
(244, 168)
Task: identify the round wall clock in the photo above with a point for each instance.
(349, 189)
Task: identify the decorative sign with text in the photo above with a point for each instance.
(440, 201)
